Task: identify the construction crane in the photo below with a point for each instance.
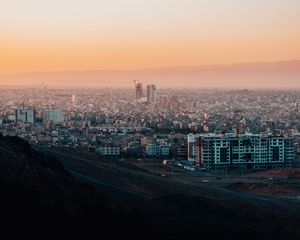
(135, 82)
(138, 89)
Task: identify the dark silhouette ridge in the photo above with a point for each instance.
(41, 200)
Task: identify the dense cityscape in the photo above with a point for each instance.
(143, 120)
(145, 123)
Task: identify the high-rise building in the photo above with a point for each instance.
(74, 99)
(139, 92)
(25, 115)
(212, 151)
(191, 151)
(151, 94)
(55, 116)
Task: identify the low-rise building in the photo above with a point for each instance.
(109, 150)
(155, 149)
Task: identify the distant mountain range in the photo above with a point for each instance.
(283, 74)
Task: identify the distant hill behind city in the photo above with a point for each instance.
(281, 74)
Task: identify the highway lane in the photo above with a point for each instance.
(77, 166)
(94, 180)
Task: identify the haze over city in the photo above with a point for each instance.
(150, 119)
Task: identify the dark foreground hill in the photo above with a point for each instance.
(38, 198)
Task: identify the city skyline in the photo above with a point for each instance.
(157, 119)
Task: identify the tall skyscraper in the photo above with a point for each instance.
(139, 92)
(74, 99)
(151, 94)
(25, 115)
(55, 116)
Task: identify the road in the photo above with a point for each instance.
(114, 178)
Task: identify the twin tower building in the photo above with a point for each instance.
(150, 97)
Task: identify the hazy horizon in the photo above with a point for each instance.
(202, 42)
(257, 75)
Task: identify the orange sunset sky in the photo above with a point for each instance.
(51, 35)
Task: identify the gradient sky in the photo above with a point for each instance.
(43, 35)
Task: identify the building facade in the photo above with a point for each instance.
(53, 115)
(248, 150)
(139, 92)
(151, 94)
(109, 150)
(156, 149)
(26, 115)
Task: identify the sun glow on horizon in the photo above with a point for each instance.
(128, 34)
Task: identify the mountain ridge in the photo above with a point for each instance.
(279, 74)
